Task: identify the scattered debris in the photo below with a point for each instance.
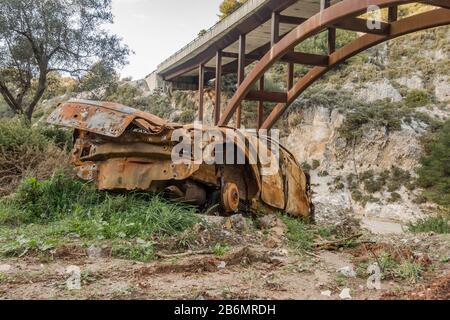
(348, 272)
(345, 294)
(326, 293)
(335, 245)
(94, 252)
(183, 254)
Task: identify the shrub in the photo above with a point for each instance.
(434, 175)
(373, 185)
(315, 164)
(26, 151)
(49, 200)
(17, 135)
(395, 197)
(438, 224)
(417, 98)
(306, 166)
(300, 236)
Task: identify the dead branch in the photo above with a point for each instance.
(333, 245)
(183, 254)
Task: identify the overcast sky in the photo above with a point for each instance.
(155, 29)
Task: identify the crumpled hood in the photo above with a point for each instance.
(104, 118)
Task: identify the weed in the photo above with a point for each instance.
(299, 234)
(221, 250)
(306, 166)
(140, 250)
(315, 164)
(438, 224)
(323, 174)
(63, 207)
(417, 98)
(395, 197)
(408, 270)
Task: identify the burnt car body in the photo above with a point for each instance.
(121, 149)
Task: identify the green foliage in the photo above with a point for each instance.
(15, 135)
(49, 200)
(417, 98)
(319, 43)
(438, 224)
(126, 94)
(373, 185)
(409, 270)
(139, 250)
(306, 166)
(187, 106)
(100, 75)
(58, 85)
(323, 173)
(384, 114)
(221, 250)
(60, 137)
(227, 7)
(159, 104)
(299, 233)
(315, 164)
(395, 197)
(434, 175)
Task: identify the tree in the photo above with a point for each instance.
(100, 79)
(45, 36)
(227, 7)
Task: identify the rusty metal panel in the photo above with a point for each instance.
(272, 191)
(298, 203)
(91, 118)
(139, 173)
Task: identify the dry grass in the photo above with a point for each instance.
(29, 161)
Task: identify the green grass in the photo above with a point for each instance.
(439, 224)
(299, 233)
(44, 214)
(221, 250)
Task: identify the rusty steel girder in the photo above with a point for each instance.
(340, 13)
(121, 148)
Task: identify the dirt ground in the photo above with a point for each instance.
(252, 269)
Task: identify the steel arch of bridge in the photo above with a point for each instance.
(338, 14)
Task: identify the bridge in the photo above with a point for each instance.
(265, 32)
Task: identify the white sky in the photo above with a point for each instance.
(155, 29)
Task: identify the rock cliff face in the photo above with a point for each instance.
(318, 140)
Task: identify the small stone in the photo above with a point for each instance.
(267, 221)
(326, 293)
(348, 272)
(94, 252)
(239, 222)
(5, 267)
(222, 265)
(345, 294)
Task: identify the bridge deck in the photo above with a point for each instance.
(252, 19)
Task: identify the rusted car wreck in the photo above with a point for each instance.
(122, 149)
